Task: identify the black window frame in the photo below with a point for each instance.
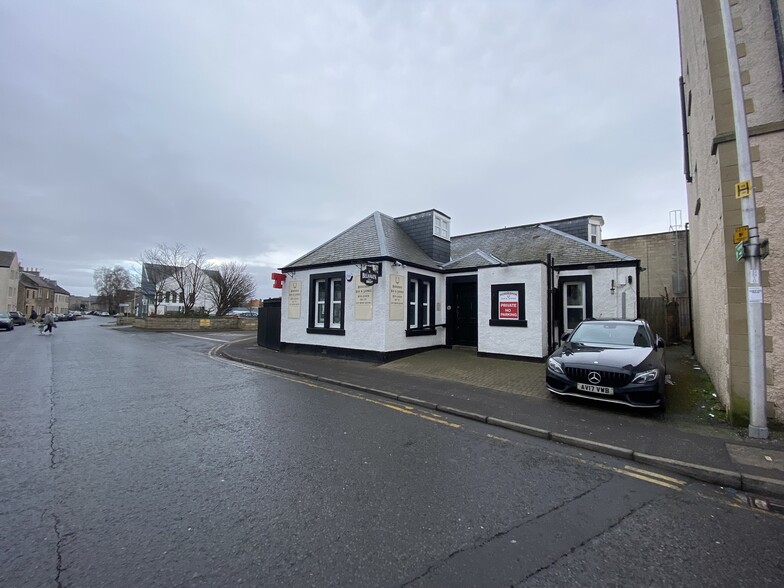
(327, 329)
(499, 322)
(430, 329)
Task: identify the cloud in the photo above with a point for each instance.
(258, 130)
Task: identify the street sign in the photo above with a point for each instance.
(741, 234)
(739, 252)
(743, 189)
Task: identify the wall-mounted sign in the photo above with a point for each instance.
(369, 273)
(363, 303)
(278, 279)
(295, 299)
(397, 292)
(509, 305)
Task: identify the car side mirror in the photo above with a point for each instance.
(659, 342)
(565, 336)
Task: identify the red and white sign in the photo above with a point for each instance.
(278, 279)
(509, 305)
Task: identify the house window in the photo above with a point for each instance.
(508, 305)
(576, 299)
(326, 313)
(421, 305)
(441, 226)
(595, 234)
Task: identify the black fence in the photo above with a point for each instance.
(269, 324)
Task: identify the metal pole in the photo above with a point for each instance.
(758, 425)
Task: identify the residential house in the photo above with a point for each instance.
(711, 172)
(35, 293)
(161, 293)
(392, 286)
(61, 298)
(9, 280)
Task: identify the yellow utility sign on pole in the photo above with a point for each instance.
(741, 234)
(743, 189)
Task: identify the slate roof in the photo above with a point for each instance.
(529, 243)
(31, 281)
(7, 258)
(378, 236)
(214, 275)
(374, 237)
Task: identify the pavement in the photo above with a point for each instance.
(691, 438)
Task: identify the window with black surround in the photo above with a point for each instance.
(326, 311)
(421, 305)
(508, 305)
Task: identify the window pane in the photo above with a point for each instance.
(424, 294)
(336, 308)
(573, 317)
(321, 291)
(574, 294)
(337, 290)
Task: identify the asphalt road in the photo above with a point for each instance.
(130, 458)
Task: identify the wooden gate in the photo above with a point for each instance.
(670, 320)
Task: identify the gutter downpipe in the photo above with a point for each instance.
(758, 424)
(549, 303)
(688, 283)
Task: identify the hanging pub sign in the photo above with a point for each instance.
(278, 279)
(369, 273)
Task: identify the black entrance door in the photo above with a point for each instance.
(463, 312)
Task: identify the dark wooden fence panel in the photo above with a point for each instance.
(269, 324)
(670, 319)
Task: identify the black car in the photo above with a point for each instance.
(612, 360)
(6, 322)
(17, 317)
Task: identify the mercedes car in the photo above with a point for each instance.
(612, 360)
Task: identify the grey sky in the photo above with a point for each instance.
(258, 130)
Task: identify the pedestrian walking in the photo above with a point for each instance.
(49, 322)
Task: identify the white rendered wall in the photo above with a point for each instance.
(530, 341)
(396, 338)
(607, 304)
(378, 334)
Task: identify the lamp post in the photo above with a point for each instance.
(758, 424)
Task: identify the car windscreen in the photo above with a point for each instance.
(615, 334)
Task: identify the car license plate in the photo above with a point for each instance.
(595, 389)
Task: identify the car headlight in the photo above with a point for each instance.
(648, 376)
(554, 366)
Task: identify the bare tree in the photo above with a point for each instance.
(154, 274)
(113, 285)
(231, 285)
(174, 266)
(187, 271)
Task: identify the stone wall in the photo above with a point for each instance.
(223, 323)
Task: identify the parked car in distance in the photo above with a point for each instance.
(6, 322)
(17, 317)
(240, 311)
(611, 360)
